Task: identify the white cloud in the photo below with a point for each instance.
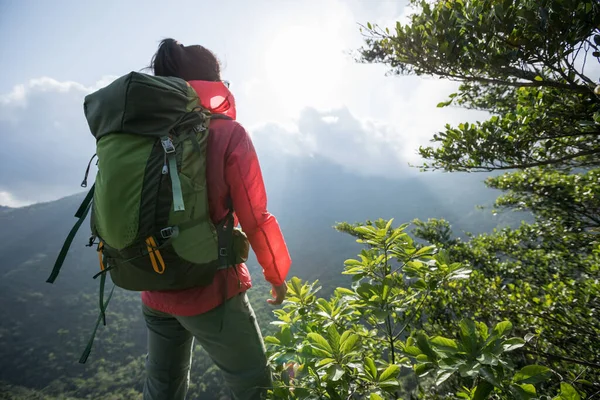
(301, 95)
(7, 199)
(45, 140)
(362, 147)
(18, 96)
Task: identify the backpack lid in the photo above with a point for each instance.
(139, 104)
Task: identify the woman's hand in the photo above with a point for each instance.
(278, 293)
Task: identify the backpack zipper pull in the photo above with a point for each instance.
(165, 168)
(87, 172)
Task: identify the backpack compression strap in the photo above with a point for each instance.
(169, 148)
(81, 213)
(101, 318)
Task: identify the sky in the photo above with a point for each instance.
(298, 89)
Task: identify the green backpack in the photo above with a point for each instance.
(149, 205)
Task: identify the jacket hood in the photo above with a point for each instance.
(216, 97)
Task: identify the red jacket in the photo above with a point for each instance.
(232, 170)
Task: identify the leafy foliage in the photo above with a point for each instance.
(522, 60)
(372, 340)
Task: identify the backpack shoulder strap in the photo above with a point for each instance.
(220, 116)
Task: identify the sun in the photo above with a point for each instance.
(302, 65)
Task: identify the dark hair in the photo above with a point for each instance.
(186, 62)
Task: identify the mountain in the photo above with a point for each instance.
(308, 197)
(45, 327)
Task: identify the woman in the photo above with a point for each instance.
(226, 329)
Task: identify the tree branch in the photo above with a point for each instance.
(412, 317)
(532, 164)
(495, 81)
(551, 356)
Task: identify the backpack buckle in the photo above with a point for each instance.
(169, 232)
(223, 252)
(199, 128)
(167, 145)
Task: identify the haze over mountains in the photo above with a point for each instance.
(45, 327)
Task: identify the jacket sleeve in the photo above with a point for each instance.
(248, 194)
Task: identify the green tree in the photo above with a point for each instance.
(525, 62)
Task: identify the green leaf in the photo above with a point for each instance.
(488, 374)
(319, 341)
(296, 284)
(412, 350)
(370, 368)
(461, 273)
(468, 336)
(443, 376)
(483, 390)
(532, 374)
(483, 330)
(349, 344)
(470, 369)
(286, 335)
(420, 284)
(334, 338)
(423, 369)
(423, 343)
(463, 395)
(512, 344)
(386, 291)
(445, 345)
(524, 391)
(344, 292)
(375, 396)
(539, 78)
(352, 263)
(389, 384)
(272, 340)
(567, 392)
(335, 372)
(502, 328)
(388, 225)
(324, 362)
(529, 336)
(424, 250)
(467, 328)
(487, 358)
(390, 372)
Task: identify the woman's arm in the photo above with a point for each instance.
(248, 194)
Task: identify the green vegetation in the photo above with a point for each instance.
(508, 314)
(388, 336)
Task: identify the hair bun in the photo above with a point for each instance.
(186, 62)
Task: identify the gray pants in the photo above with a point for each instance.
(237, 349)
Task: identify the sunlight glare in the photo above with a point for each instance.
(303, 67)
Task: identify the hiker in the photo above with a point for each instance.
(176, 176)
(219, 315)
